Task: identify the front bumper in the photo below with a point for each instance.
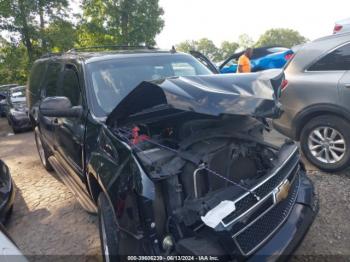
(21, 121)
(288, 237)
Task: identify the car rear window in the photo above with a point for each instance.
(337, 60)
(112, 80)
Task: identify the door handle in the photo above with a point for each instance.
(347, 85)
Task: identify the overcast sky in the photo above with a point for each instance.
(221, 20)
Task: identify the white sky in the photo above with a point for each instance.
(221, 20)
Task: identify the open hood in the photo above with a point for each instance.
(252, 94)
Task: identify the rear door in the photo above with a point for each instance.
(336, 65)
(49, 89)
(344, 83)
(69, 132)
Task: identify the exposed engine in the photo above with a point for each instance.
(198, 164)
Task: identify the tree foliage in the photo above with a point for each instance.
(36, 27)
(281, 37)
(208, 48)
(126, 22)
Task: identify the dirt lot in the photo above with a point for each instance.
(47, 220)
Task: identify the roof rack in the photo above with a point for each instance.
(112, 47)
(50, 55)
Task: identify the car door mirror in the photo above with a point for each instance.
(59, 106)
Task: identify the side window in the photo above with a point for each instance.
(339, 59)
(52, 80)
(70, 86)
(36, 78)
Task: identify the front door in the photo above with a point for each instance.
(49, 89)
(69, 132)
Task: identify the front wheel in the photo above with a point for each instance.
(108, 230)
(325, 142)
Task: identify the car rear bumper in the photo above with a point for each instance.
(289, 236)
(288, 131)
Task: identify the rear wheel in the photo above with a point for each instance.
(108, 230)
(325, 142)
(42, 150)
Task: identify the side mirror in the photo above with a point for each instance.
(59, 106)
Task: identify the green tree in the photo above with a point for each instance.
(227, 48)
(186, 46)
(245, 41)
(14, 64)
(203, 45)
(18, 17)
(60, 35)
(127, 22)
(281, 37)
(208, 48)
(52, 10)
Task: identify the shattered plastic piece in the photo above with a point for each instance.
(218, 213)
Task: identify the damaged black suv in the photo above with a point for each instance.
(171, 156)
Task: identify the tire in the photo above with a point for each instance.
(108, 230)
(327, 126)
(15, 129)
(42, 150)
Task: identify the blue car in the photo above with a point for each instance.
(263, 58)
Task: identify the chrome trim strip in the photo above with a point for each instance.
(273, 193)
(269, 235)
(259, 185)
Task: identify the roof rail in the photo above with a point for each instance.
(111, 47)
(50, 55)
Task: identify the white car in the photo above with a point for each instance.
(342, 26)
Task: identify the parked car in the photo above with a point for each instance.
(17, 110)
(263, 58)
(8, 248)
(342, 26)
(315, 101)
(3, 98)
(3, 104)
(174, 164)
(7, 193)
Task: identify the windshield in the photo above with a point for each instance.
(112, 80)
(17, 95)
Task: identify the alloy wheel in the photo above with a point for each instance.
(327, 145)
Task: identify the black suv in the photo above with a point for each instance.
(170, 155)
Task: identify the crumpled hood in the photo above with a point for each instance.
(236, 94)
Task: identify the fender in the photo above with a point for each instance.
(316, 110)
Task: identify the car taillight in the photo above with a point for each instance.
(284, 84)
(288, 56)
(337, 28)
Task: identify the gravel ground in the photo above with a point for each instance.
(47, 220)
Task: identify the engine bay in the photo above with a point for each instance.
(199, 165)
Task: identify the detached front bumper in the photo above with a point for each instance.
(291, 233)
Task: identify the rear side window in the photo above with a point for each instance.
(337, 60)
(36, 78)
(52, 80)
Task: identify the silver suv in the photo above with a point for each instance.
(316, 101)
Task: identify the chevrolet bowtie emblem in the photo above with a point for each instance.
(283, 191)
